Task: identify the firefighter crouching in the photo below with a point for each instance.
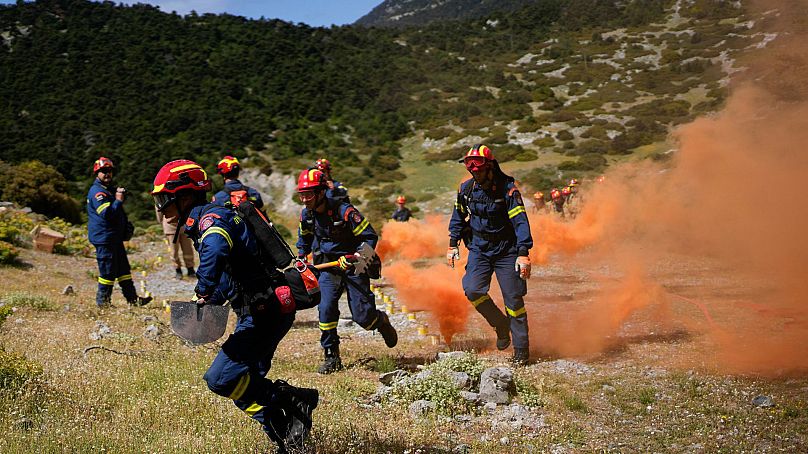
(229, 269)
(335, 230)
(107, 229)
(234, 191)
(490, 217)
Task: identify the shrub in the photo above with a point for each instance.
(544, 142)
(448, 154)
(14, 227)
(564, 134)
(5, 311)
(42, 188)
(8, 253)
(592, 161)
(25, 299)
(438, 133)
(16, 370)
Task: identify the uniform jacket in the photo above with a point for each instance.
(497, 218)
(338, 231)
(402, 214)
(106, 218)
(223, 196)
(339, 193)
(228, 253)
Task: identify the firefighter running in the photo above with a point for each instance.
(107, 229)
(335, 230)
(490, 217)
(229, 269)
(234, 191)
(557, 199)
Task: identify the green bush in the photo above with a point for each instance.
(544, 142)
(438, 133)
(564, 134)
(16, 370)
(26, 299)
(8, 253)
(447, 154)
(14, 227)
(5, 311)
(591, 161)
(42, 188)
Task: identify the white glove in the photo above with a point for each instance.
(452, 255)
(523, 267)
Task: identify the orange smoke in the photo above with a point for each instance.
(416, 239)
(436, 289)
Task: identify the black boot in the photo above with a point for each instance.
(178, 273)
(332, 362)
(191, 272)
(521, 356)
(300, 406)
(387, 330)
(503, 337)
(140, 301)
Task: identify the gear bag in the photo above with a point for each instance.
(237, 197)
(275, 254)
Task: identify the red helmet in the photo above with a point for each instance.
(323, 165)
(566, 191)
(573, 182)
(177, 176)
(311, 180)
(538, 195)
(555, 193)
(227, 165)
(401, 199)
(102, 163)
(480, 151)
(600, 179)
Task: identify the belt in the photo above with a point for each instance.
(499, 236)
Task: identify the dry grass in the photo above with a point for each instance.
(153, 399)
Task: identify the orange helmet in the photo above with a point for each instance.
(555, 193)
(538, 195)
(323, 165)
(176, 176)
(401, 199)
(566, 191)
(311, 180)
(102, 163)
(227, 165)
(573, 182)
(601, 178)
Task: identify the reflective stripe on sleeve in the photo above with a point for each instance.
(253, 409)
(102, 207)
(361, 227)
(221, 232)
(515, 211)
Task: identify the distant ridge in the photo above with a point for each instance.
(402, 13)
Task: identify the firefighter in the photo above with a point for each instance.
(234, 191)
(336, 190)
(490, 217)
(182, 242)
(335, 230)
(538, 202)
(558, 201)
(107, 229)
(229, 269)
(572, 199)
(402, 213)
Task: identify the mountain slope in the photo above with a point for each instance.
(400, 13)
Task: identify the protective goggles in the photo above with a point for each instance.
(474, 162)
(307, 196)
(163, 200)
(106, 170)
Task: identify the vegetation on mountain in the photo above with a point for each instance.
(79, 79)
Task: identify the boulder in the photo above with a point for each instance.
(391, 377)
(421, 408)
(496, 384)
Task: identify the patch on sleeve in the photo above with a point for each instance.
(100, 196)
(357, 218)
(189, 222)
(206, 222)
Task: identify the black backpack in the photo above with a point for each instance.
(276, 255)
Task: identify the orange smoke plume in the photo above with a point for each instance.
(416, 239)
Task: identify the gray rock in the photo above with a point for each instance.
(490, 407)
(68, 290)
(470, 397)
(609, 389)
(504, 441)
(496, 384)
(423, 375)
(95, 336)
(421, 408)
(451, 355)
(391, 377)
(381, 393)
(570, 367)
(461, 380)
(101, 328)
(763, 401)
(149, 319)
(152, 332)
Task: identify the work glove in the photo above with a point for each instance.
(452, 255)
(523, 267)
(200, 300)
(346, 261)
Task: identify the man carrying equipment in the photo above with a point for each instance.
(490, 217)
(234, 191)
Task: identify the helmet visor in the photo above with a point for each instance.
(474, 162)
(307, 196)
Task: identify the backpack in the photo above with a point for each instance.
(276, 255)
(238, 196)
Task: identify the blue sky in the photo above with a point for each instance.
(312, 12)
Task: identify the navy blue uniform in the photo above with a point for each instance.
(238, 190)
(339, 231)
(402, 214)
(229, 269)
(339, 193)
(500, 232)
(106, 227)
